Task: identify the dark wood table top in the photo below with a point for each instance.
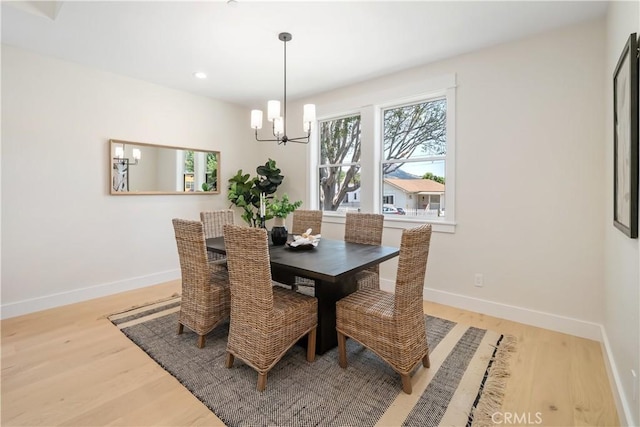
(331, 260)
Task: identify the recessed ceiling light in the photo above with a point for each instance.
(199, 75)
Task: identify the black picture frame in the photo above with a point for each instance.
(625, 140)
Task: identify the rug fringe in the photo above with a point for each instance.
(494, 388)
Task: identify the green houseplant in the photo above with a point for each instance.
(280, 209)
(244, 191)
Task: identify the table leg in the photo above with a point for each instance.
(328, 294)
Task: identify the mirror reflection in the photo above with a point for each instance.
(141, 168)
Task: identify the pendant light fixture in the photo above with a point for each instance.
(279, 122)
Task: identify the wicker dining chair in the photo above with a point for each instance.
(213, 222)
(302, 221)
(391, 325)
(365, 228)
(266, 320)
(305, 219)
(205, 286)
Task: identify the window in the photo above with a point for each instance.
(188, 182)
(204, 167)
(414, 146)
(386, 156)
(339, 168)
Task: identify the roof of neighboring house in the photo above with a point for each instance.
(416, 185)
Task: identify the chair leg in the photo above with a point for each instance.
(406, 383)
(342, 350)
(201, 339)
(311, 345)
(229, 362)
(425, 361)
(262, 381)
(180, 328)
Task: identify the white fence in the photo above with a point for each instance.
(419, 213)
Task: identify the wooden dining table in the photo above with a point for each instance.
(332, 265)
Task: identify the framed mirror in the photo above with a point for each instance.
(141, 168)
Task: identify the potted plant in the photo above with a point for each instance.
(245, 192)
(279, 209)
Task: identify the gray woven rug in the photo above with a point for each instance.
(463, 386)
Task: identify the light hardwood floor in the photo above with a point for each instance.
(70, 366)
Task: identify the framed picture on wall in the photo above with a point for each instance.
(625, 140)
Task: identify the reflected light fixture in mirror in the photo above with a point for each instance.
(161, 169)
(279, 122)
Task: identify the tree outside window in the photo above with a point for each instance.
(414, 147)
(339, 167)
(414, 152)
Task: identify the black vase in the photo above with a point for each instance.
(279, 235)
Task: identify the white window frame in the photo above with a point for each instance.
(371, 104)
(446, 223)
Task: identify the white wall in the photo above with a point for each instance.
(529, 185)
(622, 255)
(64, 238)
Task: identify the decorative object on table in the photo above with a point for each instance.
(461, 357)
(280, 209)
(263, 211)
(304, 241)
(245, 192)
(625, 140)
(279, 123)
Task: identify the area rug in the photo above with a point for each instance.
(463, 387)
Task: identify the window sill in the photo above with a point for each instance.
(400, 223)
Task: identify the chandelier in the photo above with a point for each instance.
(279, 122)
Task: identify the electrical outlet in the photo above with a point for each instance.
(479, 280)
(634, 387)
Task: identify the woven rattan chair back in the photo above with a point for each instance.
(205, 287)
(266, 320)
(391, 325)
(214, 221)
(365, 228)
(249, 273)
(412, 268)
(305, 219)
(302, 221)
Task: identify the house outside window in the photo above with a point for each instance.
(414, 157)
(388, 199)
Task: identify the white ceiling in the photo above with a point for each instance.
(334, 43)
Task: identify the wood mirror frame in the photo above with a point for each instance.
(140, 168)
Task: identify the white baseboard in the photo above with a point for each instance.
(77, 295)
(554, 322)
(622, 405)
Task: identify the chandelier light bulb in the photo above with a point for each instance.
(256, 119)
(273, 110)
